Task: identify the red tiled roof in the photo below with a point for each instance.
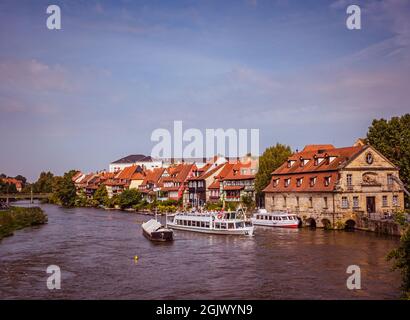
(207, 174)
(332, 159)
(341, 156)
(126, 173)
(215, 185)
(138, 176)
(152, 176)
(17, 183)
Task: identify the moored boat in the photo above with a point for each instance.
(155, 231)
(280, 219)
(227, 223)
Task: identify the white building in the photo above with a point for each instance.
(135, 159)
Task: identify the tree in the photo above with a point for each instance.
(271, 159)
(248, 202)
(392, 139)
(64, 189)
(21, 178)
(44, 183)
(401, 257)
(6, 187)
(129, 198)
(101, 195)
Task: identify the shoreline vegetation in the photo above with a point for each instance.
(16, 218)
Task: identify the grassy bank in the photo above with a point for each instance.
(17, 218)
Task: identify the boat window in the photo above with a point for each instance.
(217, 225)
(223, 225)
(231, 226)
(270, 218)
(284, 218)
(206, 224)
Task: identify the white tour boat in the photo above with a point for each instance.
(233, 223)
(281, 219)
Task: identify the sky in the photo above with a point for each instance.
(94, 91)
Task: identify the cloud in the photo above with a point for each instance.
(30, 75)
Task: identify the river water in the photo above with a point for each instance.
(95, 251)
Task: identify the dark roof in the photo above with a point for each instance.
(134, 158)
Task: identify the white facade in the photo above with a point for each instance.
(114, 167)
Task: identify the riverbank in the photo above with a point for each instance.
(16, 218)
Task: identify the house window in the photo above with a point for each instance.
(297, 201)
(289, 164)
(287, 182)
(327, 181)
(312, 181)
(384, 201)
(349, 179)
(355, 202)
(389, 179)
(284, 201)
(325, 200)
(316, 162)
(275, 182)
(273, 201)
(345, 203)
(395, 201)
(310, 202)
(299, 182)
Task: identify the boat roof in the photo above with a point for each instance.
(151, 225)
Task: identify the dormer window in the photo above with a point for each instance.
(316, 160)
(275, 182)
(312, 181)
(287, 182)
(302, 161)
(290, 163)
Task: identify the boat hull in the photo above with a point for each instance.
(276, 225)
(159, 236)
(248, 231)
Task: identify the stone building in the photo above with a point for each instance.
(335, 187)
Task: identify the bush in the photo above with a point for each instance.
(17, 218)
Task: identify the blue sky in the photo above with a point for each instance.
(94, 91)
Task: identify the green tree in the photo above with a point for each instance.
(392, 139)
(270, 160)
(401, 257)
(21, 178)
(6, 187)
(248, 202)
(44, 183)
(129, 198)
(101, 195)
(64, 189)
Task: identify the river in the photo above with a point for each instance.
(95, 251)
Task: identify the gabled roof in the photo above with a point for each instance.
(332, 159)
(207, 174)
(127, 172)
(133, 158)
